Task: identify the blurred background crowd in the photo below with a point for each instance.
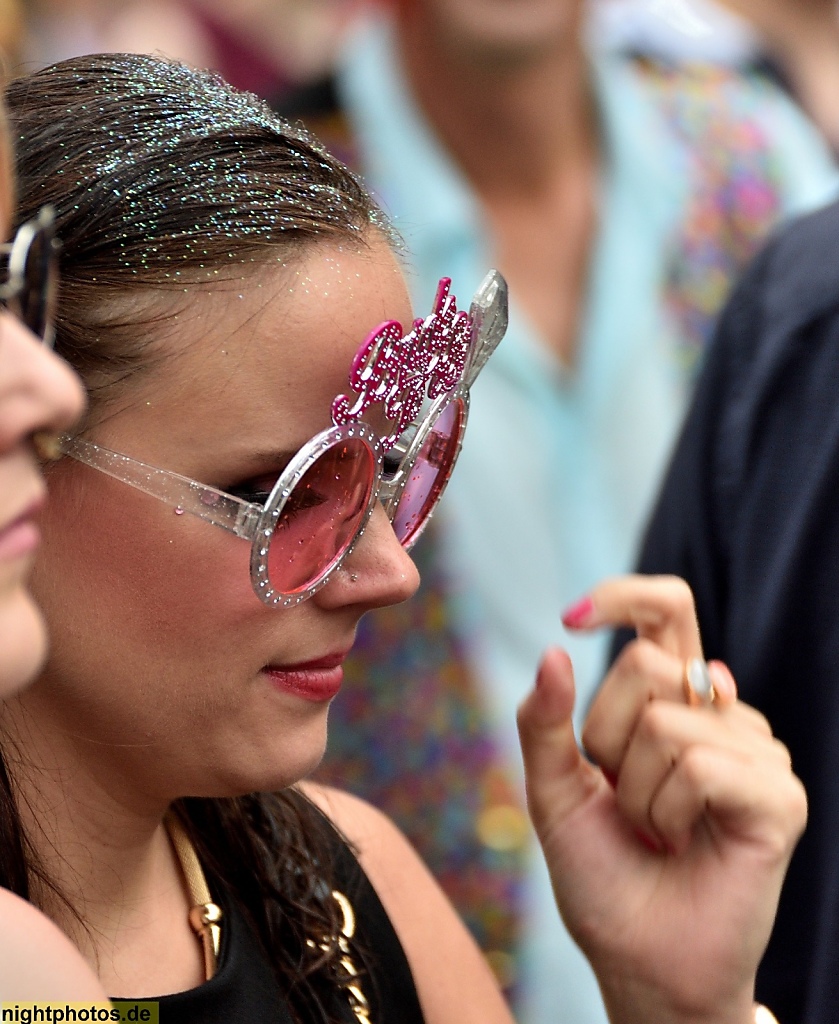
(620, 161)
(270, 46)
(265, 46)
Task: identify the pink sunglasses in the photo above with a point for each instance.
(320, 503)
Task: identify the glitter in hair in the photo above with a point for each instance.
(144, 121)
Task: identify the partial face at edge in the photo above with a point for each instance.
(158, 637)
(37, 392)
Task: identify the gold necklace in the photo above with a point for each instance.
(347, 975)
(204, 915)
(205, 918)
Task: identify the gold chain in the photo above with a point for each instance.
(350, 981)
(205, 918)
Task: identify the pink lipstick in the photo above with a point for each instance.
(317, 681)
(22, 536)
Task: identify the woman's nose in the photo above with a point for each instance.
(38, 391)
(378, 572)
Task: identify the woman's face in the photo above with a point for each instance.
(166, 670)
(37, 392)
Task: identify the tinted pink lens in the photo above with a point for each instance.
(321, 516)
(429, 473)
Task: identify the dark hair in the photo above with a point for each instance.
(163, 176)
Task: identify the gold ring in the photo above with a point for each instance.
(697, 683)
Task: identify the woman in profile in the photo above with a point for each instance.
(264, 441)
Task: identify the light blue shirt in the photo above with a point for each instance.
(560, 466)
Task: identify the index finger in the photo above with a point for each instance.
(659, 608)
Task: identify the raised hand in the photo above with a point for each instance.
(667, 853)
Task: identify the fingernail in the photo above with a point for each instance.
(725, 686)
(579, 614)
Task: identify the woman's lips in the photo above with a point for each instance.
(317, 681)
(22, 536)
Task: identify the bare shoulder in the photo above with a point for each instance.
(37, 961)
(452, 977)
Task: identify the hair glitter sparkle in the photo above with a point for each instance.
(165, 179)
(156, 159)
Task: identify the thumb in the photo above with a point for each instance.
(559, 779)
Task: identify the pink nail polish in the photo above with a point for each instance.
(723, 681)
(579, 614)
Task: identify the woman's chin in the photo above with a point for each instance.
(23, 641)
(270, 773)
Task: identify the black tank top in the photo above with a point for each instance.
(244, 989)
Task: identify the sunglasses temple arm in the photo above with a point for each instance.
(489, 315)
(184, 495)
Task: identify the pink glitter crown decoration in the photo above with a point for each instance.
(400, 371)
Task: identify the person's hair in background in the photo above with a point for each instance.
(253, 191)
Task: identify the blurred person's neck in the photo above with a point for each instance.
(522, 125)
(515, 120)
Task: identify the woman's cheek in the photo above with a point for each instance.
(164, 581)
(193, 579)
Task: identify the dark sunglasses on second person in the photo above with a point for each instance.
(30, 287)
